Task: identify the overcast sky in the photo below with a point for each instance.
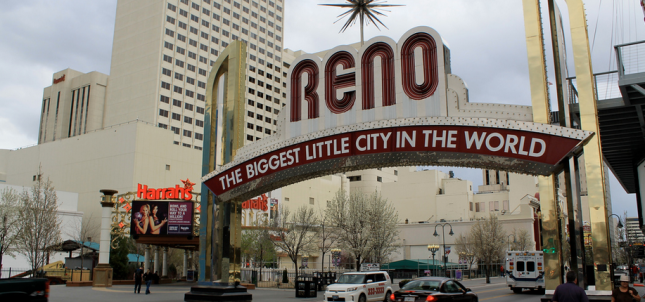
(486, 39)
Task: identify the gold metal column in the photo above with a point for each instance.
(232, 62)
(542, 114)
(592, 150)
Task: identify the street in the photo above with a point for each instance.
(496, 291)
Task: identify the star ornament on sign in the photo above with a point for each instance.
(365, 11)
(187, 184)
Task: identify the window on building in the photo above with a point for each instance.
(179, 76)
(311, 200)
(165, 99)
(505, 205)
(200, 110)
(191, 68)
(172, 7)
(199, 123)
(202, 72)
(181, 37)
(199, 136)
(188, 106)
(188, 133)
(165, 85)
(188, 120)
(163, 113)
(190, 93)
(176, 116)
(161, 125)
(176, 131)
(179, 63)
(249, 137)
(166, 72)
(379, 179)
(180, 50)
(176, 102)
(170, 33)
(183, 13)
(354, 178)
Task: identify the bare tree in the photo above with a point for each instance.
(296, 232)
(83, 231)
(38, 222)
(258, 246)
(488, 237)
(522, 240)
(137, 248)
(383, 218)
(465, 249)
(348, 214)
(328, 237)
(8, 222)
(366, 225)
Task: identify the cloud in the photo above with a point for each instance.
(39, 39)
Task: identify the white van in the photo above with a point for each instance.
(525, 269)
(361, 287)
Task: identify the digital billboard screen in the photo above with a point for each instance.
(162, 218)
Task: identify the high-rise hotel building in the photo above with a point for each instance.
(161, 56)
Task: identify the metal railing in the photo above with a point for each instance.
(630, 58)
(606, 84)
(273, 277)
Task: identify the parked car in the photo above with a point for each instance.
(24, 289)
(433, 289)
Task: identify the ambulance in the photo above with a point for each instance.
(525, 269)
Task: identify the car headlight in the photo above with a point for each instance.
(352, 289)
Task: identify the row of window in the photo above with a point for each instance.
(492, 206)
(262, 106)
(177, 103)
(180, 63)
(260, 117)
(177, 116)
(258, 128)
(179, 90)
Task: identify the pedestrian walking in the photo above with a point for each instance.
(138, 274)
(570, 291)
(148, 278)
(624, 293)
(501, 269)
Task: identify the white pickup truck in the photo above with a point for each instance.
(361, 287)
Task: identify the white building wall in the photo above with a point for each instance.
(115, 158)
(69, 219)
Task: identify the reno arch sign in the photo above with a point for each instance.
(386, 104)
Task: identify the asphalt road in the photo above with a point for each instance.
(496, 291)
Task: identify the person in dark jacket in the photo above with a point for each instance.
(148, 278)
(570, 291)
(138, 274)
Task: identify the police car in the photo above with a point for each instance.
(360, 287)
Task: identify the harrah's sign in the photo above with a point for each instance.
(143, 192)
(260, 203)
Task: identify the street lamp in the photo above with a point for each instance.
(508, 238)
(620, 224)
(443, 236)
(433, 248)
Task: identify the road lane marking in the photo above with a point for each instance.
(491, 290)
(130, 291)
(495, 297)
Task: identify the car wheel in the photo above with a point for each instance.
(517, 290)
(362, 298)
(387, 296)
